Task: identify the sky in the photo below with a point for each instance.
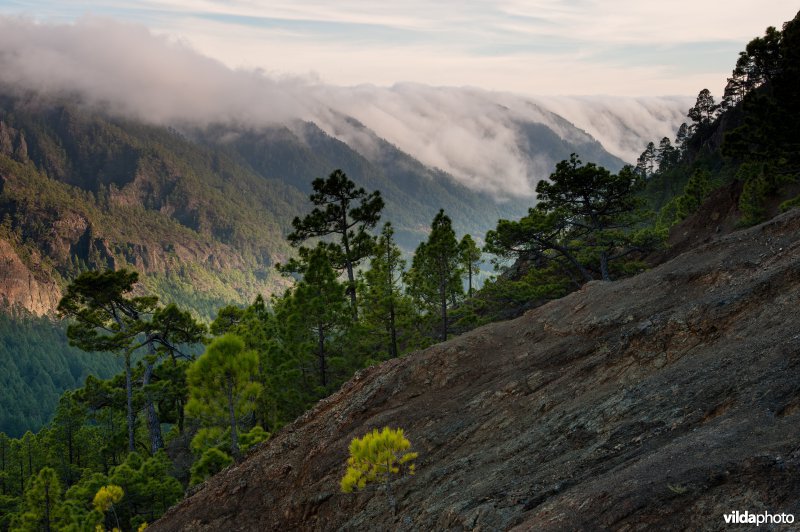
(531, 47)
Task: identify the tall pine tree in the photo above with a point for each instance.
(347, 212)
(435, 276)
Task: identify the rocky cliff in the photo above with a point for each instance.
(20, 287)
(659, 402)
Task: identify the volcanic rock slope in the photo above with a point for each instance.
(658, 402)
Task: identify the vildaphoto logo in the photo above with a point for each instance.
(747, 518)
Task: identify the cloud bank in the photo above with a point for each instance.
(470, 133)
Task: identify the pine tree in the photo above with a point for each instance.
(377, 458)
(585, 218)
(107, 319)
(318, 305)
(384, 301)
(470, 256)
(221, 387)
(336, 213)
(666, 155)
(681, 138)
(703, 111)
(65, 436)
(435, 276)
(42, 508)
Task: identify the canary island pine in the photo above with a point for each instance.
(104, 500)
(376, 459)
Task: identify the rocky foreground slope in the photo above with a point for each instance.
(659, 402)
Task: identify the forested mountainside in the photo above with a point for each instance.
(203, 208)
(38, 364)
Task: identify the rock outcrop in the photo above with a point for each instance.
(663, 401)
(21, 288)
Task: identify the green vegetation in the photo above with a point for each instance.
(377, 458)
(588, 224)
(434, 281)
(222, 388)
(108, 319)
(200, 214)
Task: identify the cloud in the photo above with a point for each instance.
(471, 133)
(150, 77)
(623, 125)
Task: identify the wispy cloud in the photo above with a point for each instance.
(622, 47)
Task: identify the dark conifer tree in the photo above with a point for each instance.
(435, 276)
(348, 212)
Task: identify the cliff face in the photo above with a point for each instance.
(662, 401)
(20, 288)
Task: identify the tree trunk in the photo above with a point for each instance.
(232, 416)
(181, 417)
(351, 279)
(567, 255)
(129, 403)
(323, 370)
(469, 281)
(70, 451)
(153, 423)
(30, 458)
(47, 506)
(390, 291)
(2, 464)
(443, 300)
(604, 265)
(392, 330)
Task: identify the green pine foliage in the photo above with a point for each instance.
(470, 257)
(43, 506)
(348, 212)
(376, 459)
(222, 387)
(751, 137)
(270, 361)
(212, 461)
(434, 280)
(387, 312)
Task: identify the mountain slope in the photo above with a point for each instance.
(91, 191)
(661, 401)
(37, 364)
(413, 192)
